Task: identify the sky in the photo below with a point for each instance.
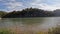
(11, 5)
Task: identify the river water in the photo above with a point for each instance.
(29, 24)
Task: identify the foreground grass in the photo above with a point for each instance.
(5, 31)
(53, 30)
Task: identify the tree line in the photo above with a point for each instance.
(28, 12)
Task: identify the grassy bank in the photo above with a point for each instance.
(53, 30)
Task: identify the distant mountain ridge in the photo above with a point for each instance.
(57, 12)
(32, 12)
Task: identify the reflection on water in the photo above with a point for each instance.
(29, 24)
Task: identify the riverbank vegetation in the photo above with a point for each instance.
(53, 30)
(28, 12)
(2, 13)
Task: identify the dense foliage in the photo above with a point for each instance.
(2, 13)
(28, 12)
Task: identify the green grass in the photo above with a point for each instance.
(5, 31)
(53, 30)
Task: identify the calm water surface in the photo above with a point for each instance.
(29, 24)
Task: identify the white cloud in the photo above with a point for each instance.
(13, 5)
(40, 4)
(43, 6)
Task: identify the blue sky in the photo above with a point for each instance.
(10, 5)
